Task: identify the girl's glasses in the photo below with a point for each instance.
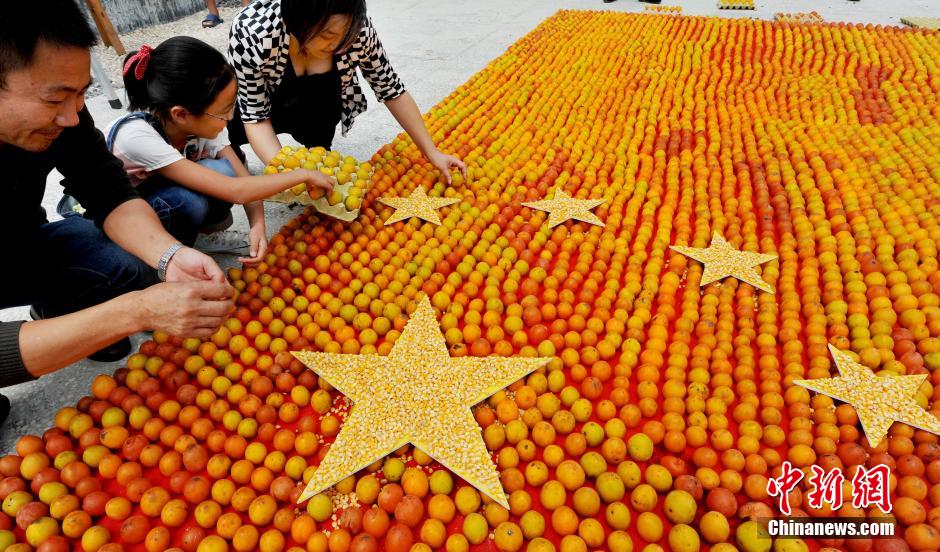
(226, 117)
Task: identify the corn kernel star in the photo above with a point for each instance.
(879, 400)
(418, 204)
(722, 260)
(417, 394)
(563, 208)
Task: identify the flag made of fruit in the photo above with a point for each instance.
(666, 413)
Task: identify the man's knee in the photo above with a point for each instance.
(88, 268)
(124, 272)
(132, 274)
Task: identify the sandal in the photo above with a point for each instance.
(210, 21)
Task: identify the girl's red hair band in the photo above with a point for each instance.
(142, 57)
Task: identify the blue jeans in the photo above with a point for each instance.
(68, 265)
(183, 211)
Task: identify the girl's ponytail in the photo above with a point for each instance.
(135, 78)
(182, 71)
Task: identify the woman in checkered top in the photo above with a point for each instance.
(296, 64)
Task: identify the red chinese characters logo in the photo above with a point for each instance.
(870, 487)
(781, 486)
(826, 488)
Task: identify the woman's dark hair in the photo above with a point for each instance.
(306, 18)
(25, 24)
(181, 71)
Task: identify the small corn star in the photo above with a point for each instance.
(418, 204)
(563, 208)
(417, 394)
(879, 401)
(722, 260)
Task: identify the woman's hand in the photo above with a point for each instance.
(405, 111)
(444, 163)
(317, 179)
(257, 245)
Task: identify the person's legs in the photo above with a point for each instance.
(309, 133)
(218, 210)
(66, 266)
(181, 210)
(213, 18)
(83, 267)
(185, 212)
(31, 273)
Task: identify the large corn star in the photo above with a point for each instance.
(563, 207)
(722, 260)
(879, 401)
(418, 204)
(417, 394)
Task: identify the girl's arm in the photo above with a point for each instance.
(405, 111)
(240, 189)
(257, 233)
(263, 140)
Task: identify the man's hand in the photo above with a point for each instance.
(189, 265)
(186, 309)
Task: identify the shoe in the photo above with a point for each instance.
(4, 409)
(211, 21)
(68, 205)
(226, 241)
(224, 224)
(113, 352)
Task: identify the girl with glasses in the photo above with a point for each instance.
(175, 146)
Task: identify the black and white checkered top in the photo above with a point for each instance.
(258, 46)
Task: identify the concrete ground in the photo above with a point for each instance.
(435, 46)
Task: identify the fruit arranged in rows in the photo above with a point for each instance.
(736, 4)
(664, 408)
(663, 9)
(798, 17)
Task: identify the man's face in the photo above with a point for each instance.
(41, 100)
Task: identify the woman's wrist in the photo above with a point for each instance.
(429, 149)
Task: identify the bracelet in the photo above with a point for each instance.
(165, 260)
